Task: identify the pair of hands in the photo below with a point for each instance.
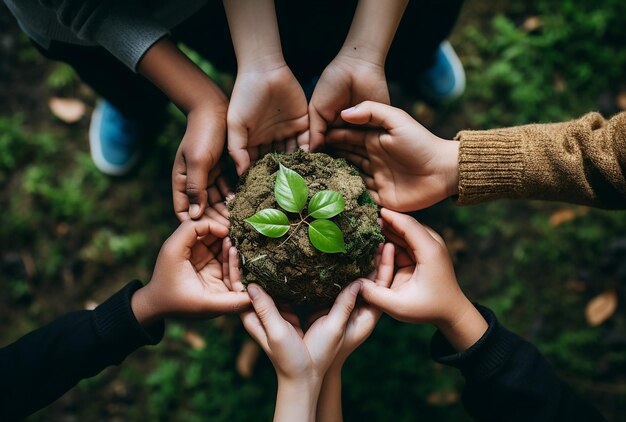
(268, 111)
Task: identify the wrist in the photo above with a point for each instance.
(143, 308)
(451, 167)
(464, 327)
(362, 52)
(261, 61)
(296, 399)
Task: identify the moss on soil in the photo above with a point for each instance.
(294, 271)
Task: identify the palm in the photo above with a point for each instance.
(265, 108)
(344, 83)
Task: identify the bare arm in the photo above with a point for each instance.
(205, 105)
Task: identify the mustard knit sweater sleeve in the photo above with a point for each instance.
(582, 162)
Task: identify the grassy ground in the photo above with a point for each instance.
(70, 236)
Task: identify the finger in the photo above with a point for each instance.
(357, 160)
(380, 296)
(317, 128)
(266, 309)
(344, 304)
(227, 303)
(414, 234)
(378, 114)
(215, 196)
(384, 272)
(340, 137)
(253, 326)
(435, 235)
(213, 214)
(187, 234)
(291, 145)
(223, 186)
(179, 196)
(373, 192)
(303, 141)
(237, 146)
(370, 183)
(196, 184)
(226, 244)
(234, 271)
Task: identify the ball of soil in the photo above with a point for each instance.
(292, 270)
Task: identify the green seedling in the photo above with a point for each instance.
(291, 193)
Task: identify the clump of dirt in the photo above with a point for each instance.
(293, 271)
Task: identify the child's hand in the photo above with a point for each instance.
(187, 278)
(365, 316)
(295, 354)
(406, 167)
(424, 288)
(268, 111)
(346, 81)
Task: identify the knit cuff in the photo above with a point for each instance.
(117, 326)
(127, 33)
(482, 359)
(491, 163)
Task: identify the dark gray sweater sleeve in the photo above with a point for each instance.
(124, 28)
(41, 366)
(507, 379)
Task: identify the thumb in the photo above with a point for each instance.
(237, 146)
(265, 309)
(344, 304)
(376, 114)
(379, 296)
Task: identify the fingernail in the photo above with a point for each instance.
(253, 291)
(349, 110)
(194, 210)
(355, 287)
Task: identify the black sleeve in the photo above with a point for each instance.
(41, 366)
(507, 379)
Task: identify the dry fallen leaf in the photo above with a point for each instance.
(601, 307)
(620, 100)
(442, 398)
(247, 358)
(532, 23)
(562, 216)
(194, 339)
(68, 110)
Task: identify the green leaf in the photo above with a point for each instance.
(326, 204)
(290, 190)
(270, 222)
(326, 236)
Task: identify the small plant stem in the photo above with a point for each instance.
(292, 233)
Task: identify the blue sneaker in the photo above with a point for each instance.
(445, 79)
(114, 139)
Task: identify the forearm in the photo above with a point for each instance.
(465, 328)
(180, 79)
(507, 378)
(254, 31)
(296, 400)
(581, 162)
(372, 30)
(44, 364)
(329, 402)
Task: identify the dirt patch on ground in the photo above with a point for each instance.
(293, 271)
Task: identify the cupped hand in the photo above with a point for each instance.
(188, 279)
(296, 355)
(405, 166)
(345, 82)
(268, 111)
(424, 288)
(196, 166)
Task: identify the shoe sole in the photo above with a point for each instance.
(96, 151)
